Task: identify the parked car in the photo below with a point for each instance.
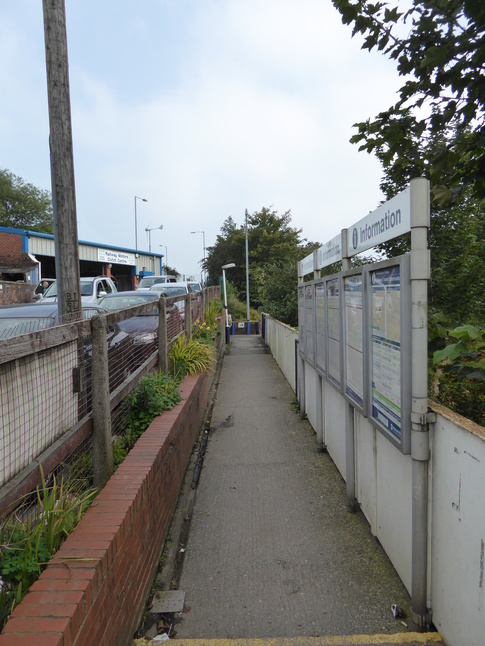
(93, 289)
(148, 281)
(142, 329)
(194, 286)
(173, 289)
(41, 288)
(32, 317)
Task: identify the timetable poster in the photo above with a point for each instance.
(386, 349)
(354, 349)
(333, 314)
(320, 326)
(309, 322)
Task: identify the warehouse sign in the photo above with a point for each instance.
(116, 257)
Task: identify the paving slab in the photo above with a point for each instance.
(273, 553)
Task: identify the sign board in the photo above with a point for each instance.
(354, 338)
(333, 329)
(116, 257)
(390, 351)
(329, 253)
(306, 265)
(321, 328)
(391, 219)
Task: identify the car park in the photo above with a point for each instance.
(41, 288)
(143, 328)
(32, 317)
(148, 281)
(93, 289)
(26, 318)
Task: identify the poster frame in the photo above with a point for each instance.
(337, 383)
(403, 443)
(321, 353)
(361, 406)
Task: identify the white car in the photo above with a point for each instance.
(93, 289)
(148, 281)
(172, 289)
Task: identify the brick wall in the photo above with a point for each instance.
(94, 589)
(13, 292)
(10, 244)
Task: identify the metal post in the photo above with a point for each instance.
(350, 478)
(102, 440)
(320, 423)
(247, 268)
(420, 274)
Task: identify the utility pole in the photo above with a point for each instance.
(62, 162)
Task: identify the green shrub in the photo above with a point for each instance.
(190, 357)
(30, 538)
(152, 395)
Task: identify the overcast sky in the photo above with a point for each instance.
(204, 108)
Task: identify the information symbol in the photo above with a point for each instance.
(354, 238)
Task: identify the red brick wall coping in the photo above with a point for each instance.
(94, 589)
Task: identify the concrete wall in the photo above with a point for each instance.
(456, 546)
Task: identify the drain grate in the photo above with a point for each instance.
(168, 601)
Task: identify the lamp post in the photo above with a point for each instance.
(224, 267)
(203, 243)
(136, 225)
(149, 238)
(166, 257)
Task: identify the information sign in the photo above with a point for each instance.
(116, 257)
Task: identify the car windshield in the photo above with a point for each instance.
(169, 290)
(86, 289)
(146, 282)
(120, 302)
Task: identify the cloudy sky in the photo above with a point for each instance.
(204, 108)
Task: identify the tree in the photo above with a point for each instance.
(273, 246)
(442, 57)
(23, 206)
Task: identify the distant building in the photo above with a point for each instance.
(28, 256)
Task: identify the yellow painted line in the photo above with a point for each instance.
(331, 640)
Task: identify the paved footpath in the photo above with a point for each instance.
(273, 556)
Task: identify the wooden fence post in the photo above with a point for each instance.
(102, 441)
(162, 336)
(188, 316)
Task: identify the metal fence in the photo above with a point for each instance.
(48, 387)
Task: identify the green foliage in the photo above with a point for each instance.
(438, 48)
(24, 206)
(204, 332)
(271, 241)
(27, 545)
(457, 371)
(152, 395)
(278, 284)
(189, 357)
(237, 308)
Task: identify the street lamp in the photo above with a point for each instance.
(149, 238)
(224, 267)
(166, 257)
(136, 225)
(203, 243)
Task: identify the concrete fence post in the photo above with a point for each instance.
(102, 441)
